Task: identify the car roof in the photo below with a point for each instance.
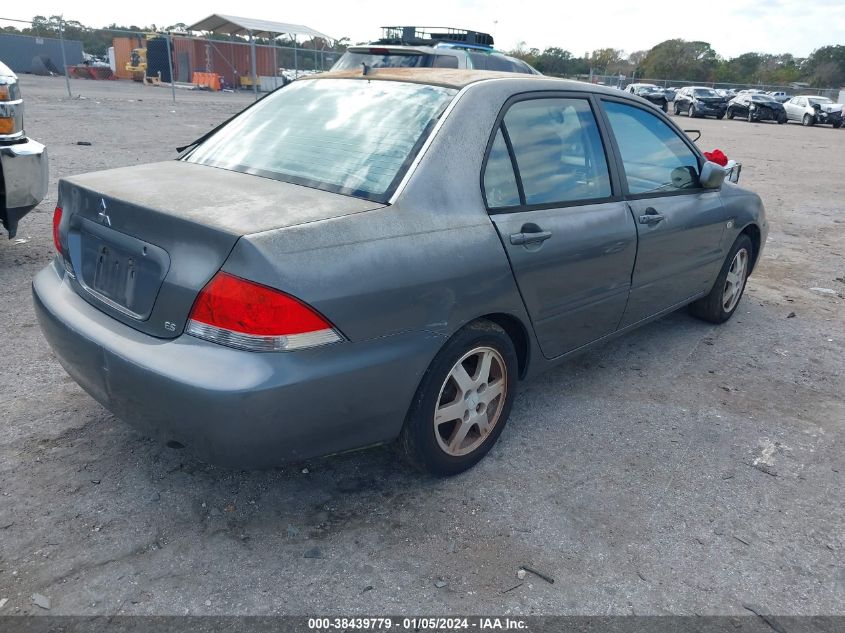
(456, 78)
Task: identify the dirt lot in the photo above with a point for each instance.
(686, 468)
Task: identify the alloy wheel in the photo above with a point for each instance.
(735, 280)
(470, 401)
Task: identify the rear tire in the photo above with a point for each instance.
(665, 107)
(691, 112)
(719, 305)
(677, 110)
(463, 401)
(730, 113)
(837, 125)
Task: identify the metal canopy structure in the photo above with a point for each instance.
(233, 25)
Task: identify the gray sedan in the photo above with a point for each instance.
(362, 259)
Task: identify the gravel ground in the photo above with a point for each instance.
(683, 469)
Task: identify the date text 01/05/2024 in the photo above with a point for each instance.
(417, 624)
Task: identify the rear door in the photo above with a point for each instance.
(679, 224)
(554, 199)
(794, 108)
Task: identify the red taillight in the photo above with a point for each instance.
(57, 220)
(240, 313)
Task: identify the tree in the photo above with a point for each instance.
(605, 60)
(680, 59)
(825, 67)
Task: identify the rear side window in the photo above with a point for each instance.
(655, 158)
(500, 188)
(558, 151)
(445, 61)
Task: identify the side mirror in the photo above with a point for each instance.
(712, 175)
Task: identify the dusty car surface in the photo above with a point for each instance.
(814, 110)
(359, 259)
(755, 107)
(23, 162)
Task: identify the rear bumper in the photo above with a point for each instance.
(229, 407)
(25, 174)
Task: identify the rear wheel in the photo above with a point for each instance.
(463, 401)
(677, 110)
(720, 304)
(749, 117)
(837, 125)
(807, 121)
(730, 113)
(691, 112)
(665, 106)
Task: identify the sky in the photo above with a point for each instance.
(732, 28)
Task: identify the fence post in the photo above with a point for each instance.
(254, 70)
(295, 61)
(64, 56)
(170, 65)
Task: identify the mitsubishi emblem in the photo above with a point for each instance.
(102, 216)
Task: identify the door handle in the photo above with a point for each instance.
(530, 238)
(651, 216)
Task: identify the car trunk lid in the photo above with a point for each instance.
(141, 242)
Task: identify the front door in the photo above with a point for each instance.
(571, 243)
(679, 224)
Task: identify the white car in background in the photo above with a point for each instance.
(814, 110)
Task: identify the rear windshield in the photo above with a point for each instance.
(352, 60)
(349, 136)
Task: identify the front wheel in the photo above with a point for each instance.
(837, 125)
(691, 112)
(665, 107)
(677, 110)
(807, 121)
(463, 401)
(750, 117)
(720, 304)
(730, 113)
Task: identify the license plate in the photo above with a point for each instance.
(115, 274)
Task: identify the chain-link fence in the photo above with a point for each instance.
(173, 60)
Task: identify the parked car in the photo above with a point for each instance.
(756, 107)
(651, 93)
(702, 101)
(311, 278)
(778, 95)
(422, 47)
(670, 93)
(814, 110)
(23, 162)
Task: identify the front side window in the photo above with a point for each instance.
(655, 158)
(558, 151)
(349, 136)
